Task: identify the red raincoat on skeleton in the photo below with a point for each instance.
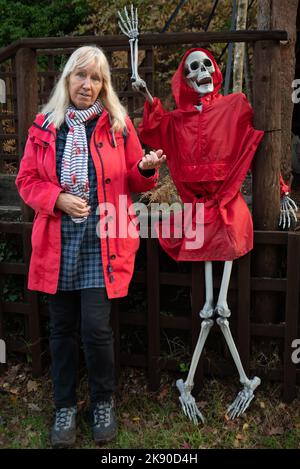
(209, 154)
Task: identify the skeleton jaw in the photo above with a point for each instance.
(202, 88)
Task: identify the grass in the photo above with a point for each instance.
(149, 420)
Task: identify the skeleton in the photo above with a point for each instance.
(198, 71)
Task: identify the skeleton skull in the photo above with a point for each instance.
(198, 69)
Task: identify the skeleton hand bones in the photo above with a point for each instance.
(288, 209)
(129, 27)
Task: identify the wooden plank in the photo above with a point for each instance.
(175, 278)
(147, 68)
(197, 304)
(14, 227)
(9, 136)
(139, 277)
(130, 359)
(17, 307)
(267, 330)
(171, 322)
(31, 297)
(9, 157)
(268, 284)
(243, 313)
(27, 92)
(153, 319)
(270, 237)
(17, 268)
(266, 170)
(2, 329)
(266, 102)
(291, 315)
(144, 39)
(129, 94)
(8, 115)
(133, 319)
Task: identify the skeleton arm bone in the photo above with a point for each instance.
(129, 27)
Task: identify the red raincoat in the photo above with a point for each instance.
(208, 154)
(117, 174)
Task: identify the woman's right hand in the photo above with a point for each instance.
(72, 205)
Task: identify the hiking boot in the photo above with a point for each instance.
(104, 423)
(63, 433)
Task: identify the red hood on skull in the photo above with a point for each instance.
(185, 96)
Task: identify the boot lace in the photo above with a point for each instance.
(102, 413)
(63, 417)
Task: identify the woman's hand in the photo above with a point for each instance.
(152, 160)
(72, 205)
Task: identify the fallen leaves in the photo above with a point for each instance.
(186, 445)
(275, 431)
(32, 386)
(34, 408)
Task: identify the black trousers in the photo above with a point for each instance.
(86, 311)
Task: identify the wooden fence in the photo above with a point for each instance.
(32, 61)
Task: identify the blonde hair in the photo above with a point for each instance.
(60, 99)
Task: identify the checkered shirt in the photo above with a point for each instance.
(81, 263)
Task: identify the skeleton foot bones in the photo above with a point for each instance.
(244, 397)
(188, 403)
(241, 402)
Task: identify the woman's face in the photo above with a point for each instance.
(85, 84)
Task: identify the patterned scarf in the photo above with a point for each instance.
(74, 172)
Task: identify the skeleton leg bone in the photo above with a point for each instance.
(222, 306)
(208, 308)
(245, 396)
(186, 399)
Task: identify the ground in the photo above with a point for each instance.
(149, 420)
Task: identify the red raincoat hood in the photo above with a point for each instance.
(185, 97)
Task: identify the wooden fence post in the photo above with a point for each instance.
(266, 166)
(153, 319)
(291, 316)
(197, 303)
(27, 101)
(267, 116)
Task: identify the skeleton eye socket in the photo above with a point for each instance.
(194, 65)
(207, 63)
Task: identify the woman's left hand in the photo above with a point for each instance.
(152, 160)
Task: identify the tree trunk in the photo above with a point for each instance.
(239, 49)
(267, 116)
(285, 19)
(266, 167)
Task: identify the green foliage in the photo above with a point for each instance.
(39, 18)
(192, 16)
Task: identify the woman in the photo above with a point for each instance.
(81, 158)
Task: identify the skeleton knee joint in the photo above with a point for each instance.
(222, 322)
(207, 324)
